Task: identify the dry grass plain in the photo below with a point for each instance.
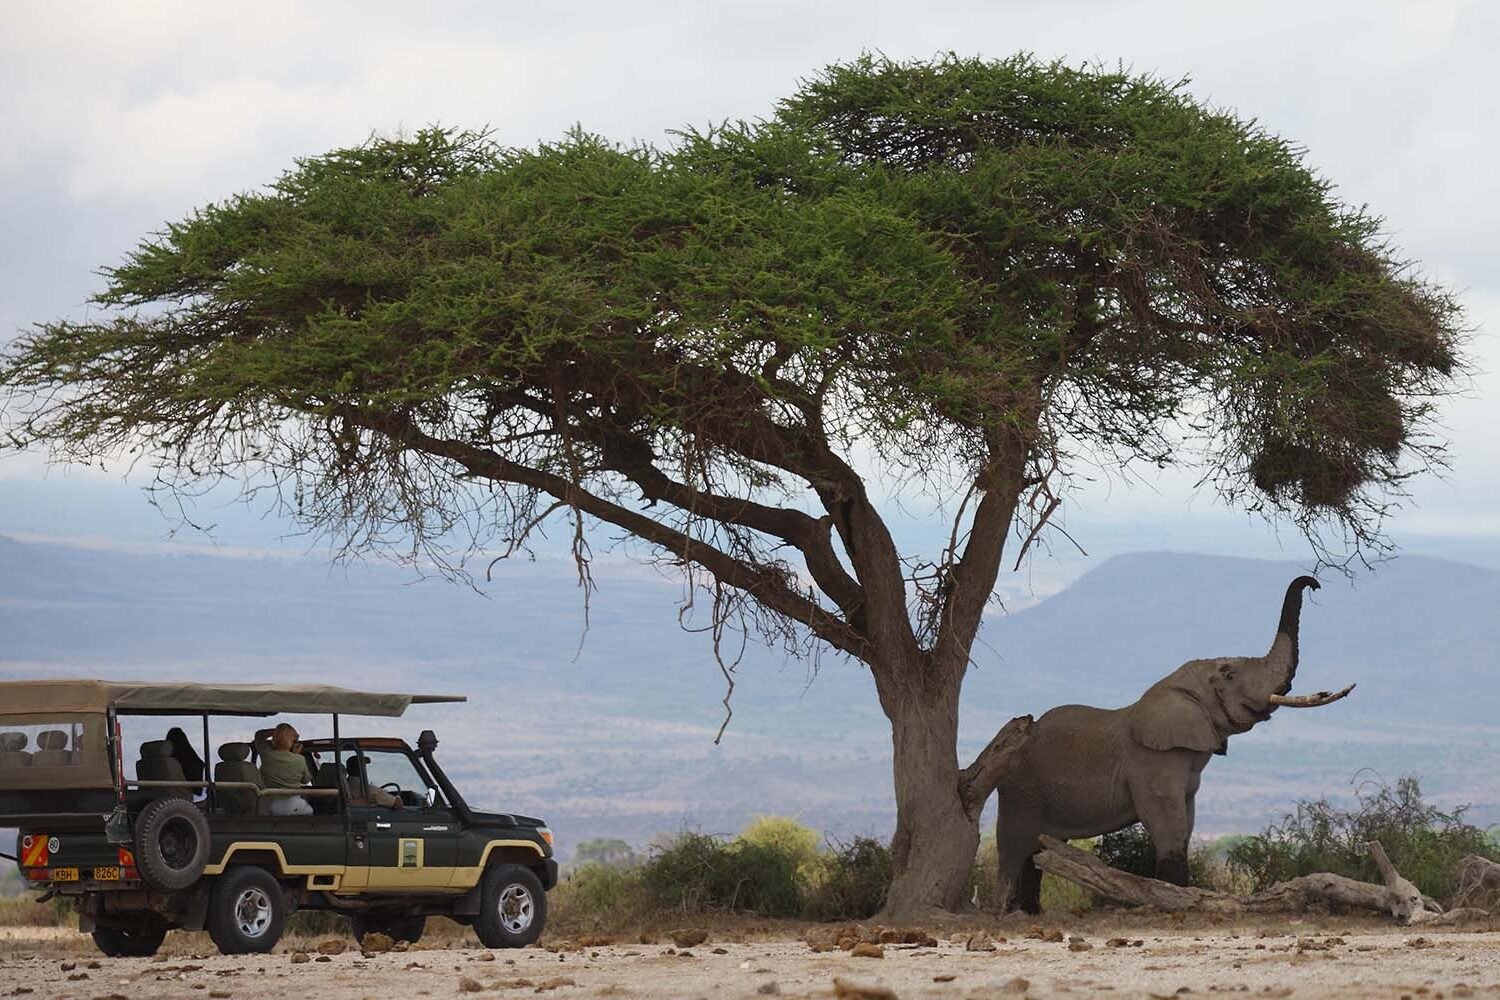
(1313, 958)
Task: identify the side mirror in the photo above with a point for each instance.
(431, 796)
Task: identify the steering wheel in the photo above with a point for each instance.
(392, 787)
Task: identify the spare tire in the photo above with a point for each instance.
(171, 844)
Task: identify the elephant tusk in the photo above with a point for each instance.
(1310, 700)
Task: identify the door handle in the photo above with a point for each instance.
(382, 826)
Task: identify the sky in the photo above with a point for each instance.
(120, 117)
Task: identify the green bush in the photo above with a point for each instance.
(1423, 842)
(699, 873)
(1132, 850)
(852, 880)
(597, 889)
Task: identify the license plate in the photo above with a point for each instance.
(106, 874)
(65, 874)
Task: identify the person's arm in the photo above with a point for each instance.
(261, 744)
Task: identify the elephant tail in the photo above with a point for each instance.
(1290, 623)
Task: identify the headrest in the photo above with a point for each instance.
(356, 764)
(156, 748)
(234, 752)
(52, 739)
(11, 742)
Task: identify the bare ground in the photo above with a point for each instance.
(1330, 957)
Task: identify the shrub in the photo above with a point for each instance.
(1423, 842)
(599, 890)
(611, 852)
(785, 835)
(1132, 850)
(698, 873)
(853, 879)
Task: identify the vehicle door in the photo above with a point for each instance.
(411, 847)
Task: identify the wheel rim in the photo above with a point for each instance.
(517, 908)
(179, 844)
(252, 912)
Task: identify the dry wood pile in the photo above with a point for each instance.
(1478, 878)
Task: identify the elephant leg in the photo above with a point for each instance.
(1167, 811)
(1028, 896)
(1020, 879)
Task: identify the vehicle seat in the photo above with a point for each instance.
(158, 764)
(234, 765)
(13, 750)
(329, 776)
(52, 750)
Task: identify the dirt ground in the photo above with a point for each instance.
(1286, 958)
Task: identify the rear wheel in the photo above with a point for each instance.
(403, 928)
(246, 911)
(512, 907)
(137, 939)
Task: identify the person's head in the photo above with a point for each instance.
(284, 737)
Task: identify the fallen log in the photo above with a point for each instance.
(1478, 880)
(1075, 865)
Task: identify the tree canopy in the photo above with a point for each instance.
(969, 275)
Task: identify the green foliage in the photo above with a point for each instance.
(785, 836)
(698, 873)
(1132, 850)
(852, 881)
(609, 852)
(597, 890)
(1424, 842)
(918, 255)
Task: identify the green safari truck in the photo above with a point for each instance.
(374, 829)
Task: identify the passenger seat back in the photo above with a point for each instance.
(13, 750)
(158, 764)
(53, 750)
(234, 765)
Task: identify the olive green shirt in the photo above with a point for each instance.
(282, 768)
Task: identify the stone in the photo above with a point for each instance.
(867, 950)
(333, 946)
(376, 943)
(689, 937)
(845, 990)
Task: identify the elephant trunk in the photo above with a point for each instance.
(1291, 617)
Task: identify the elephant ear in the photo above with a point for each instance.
(1170, 718)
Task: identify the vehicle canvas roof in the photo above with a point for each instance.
(171, 698)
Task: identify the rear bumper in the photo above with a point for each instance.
(548, 873)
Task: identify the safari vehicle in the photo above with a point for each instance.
(139, 856)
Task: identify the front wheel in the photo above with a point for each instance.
(246, 911)
(512, 907)
(139, 939)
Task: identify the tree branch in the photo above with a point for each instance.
(760, 582)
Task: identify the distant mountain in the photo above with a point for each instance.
(609, 732)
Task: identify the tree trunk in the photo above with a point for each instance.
(936, 839)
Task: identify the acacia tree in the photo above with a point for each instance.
(961, 275)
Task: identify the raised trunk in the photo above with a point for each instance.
(1284, 649)
(936, 838)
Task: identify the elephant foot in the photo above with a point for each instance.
(1173, 868)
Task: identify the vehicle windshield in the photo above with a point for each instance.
(393, 769)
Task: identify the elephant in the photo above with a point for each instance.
(1088, 771)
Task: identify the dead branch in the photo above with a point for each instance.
(1325, 888)
(1478, 881)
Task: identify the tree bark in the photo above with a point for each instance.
(936, 839)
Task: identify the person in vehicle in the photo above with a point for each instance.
(193, 768)
(282, 767)
(355, 768)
